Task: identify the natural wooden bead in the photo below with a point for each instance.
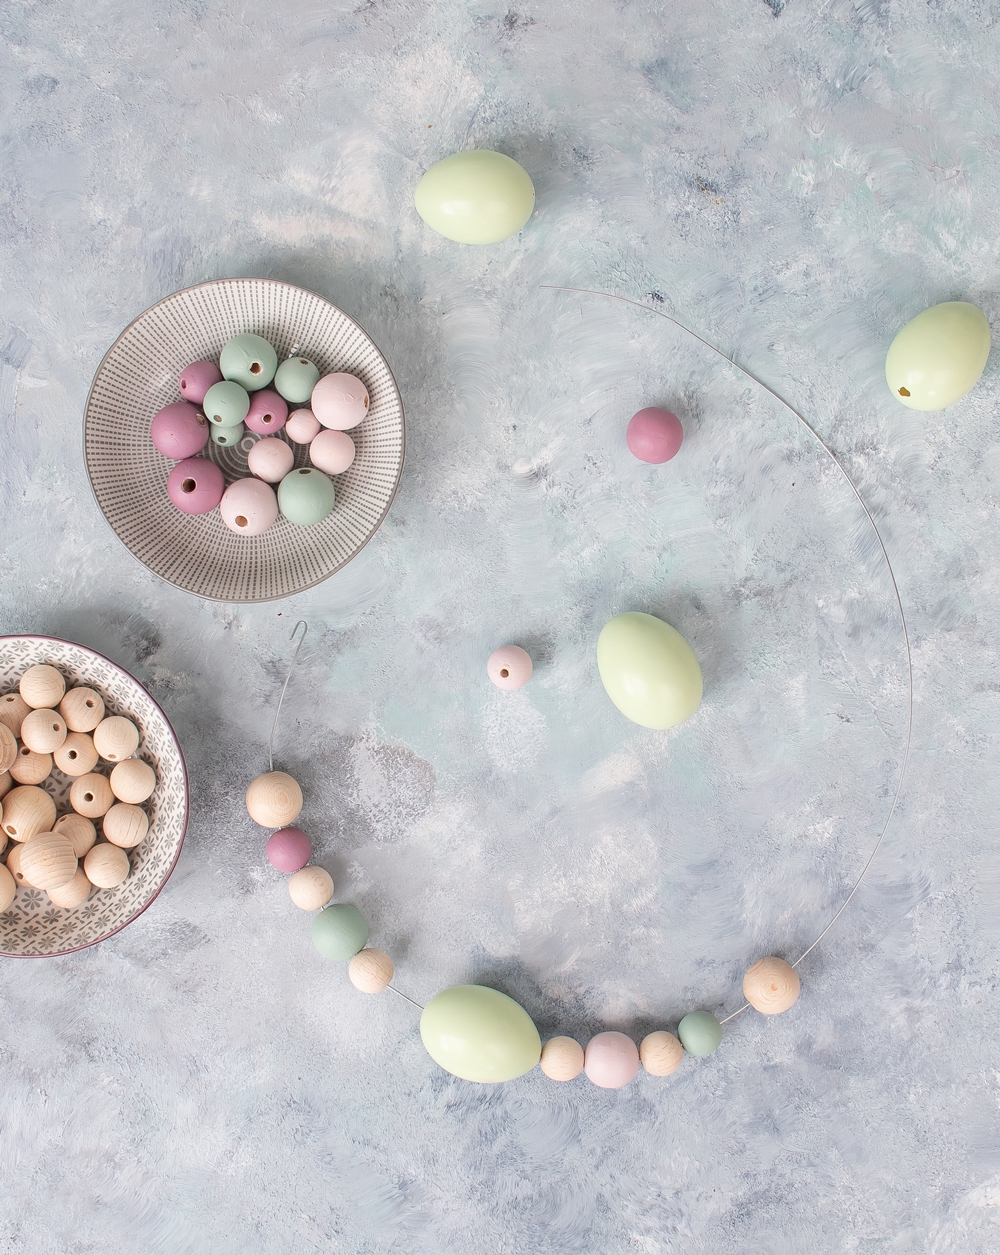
(771, 986)
(26, 811)
(8, 747)
(91, 796)
(125, 825)
(370, 971)
(274, 799)
(310, 888)
(29, 767)
(81, 832)
(14, 864)
(83, 709)
(48, 861)
(3, 835)
(42, 686)
(8, 887)
(6, 783)
(106, 865)
(43, 730)
(13, 708)
(133, 781)
(661, 1053)
(562, 1059)
(116, 738)
(76, 756)
(73, 894)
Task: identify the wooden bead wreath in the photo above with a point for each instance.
(477, 1033)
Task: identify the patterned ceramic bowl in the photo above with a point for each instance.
(138, 376)
(31, 925)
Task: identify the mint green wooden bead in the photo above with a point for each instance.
(227, 435)
(295, 379)
(648, 670)
(479, 1034)
(700, 1033)
(249, 361)
(306, 496)
(339, 932)
(475, 197)
(938, 356)
(226, 404)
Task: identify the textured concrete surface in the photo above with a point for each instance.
(794, 181)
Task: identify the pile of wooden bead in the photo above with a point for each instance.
(45, 726)
(339, 930)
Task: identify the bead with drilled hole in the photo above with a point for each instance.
(370, 970)
(116, 738)
(29, 767)
(80, 831)
(43, 730)
(27, 810)
(77, 755)
(771, 986)
(42, 685)
(8, 747)
(82, 708)
(48, 861)
(13, 708)
(91, 795)
(311, 888)
(274, 799)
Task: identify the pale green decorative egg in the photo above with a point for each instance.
(938, 356)
(479, 1034)
(648, 670)
(475, 197)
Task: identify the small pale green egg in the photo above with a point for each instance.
(479, 1034)
(938, 356)
(227, 435)
(648, 670)
(295, 379)
(475, 197)
(339, 932)
(700, 1033)
(306, 496)
(226, 404)
(248, 360)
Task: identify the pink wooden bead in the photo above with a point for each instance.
(196, 380)
(509, 667)
(340, 401)
(271, 459)
(611, 1060)
(332, 452)
(654, 435)
(248, 507)
(302, 426)
(289, 849)
(195, 485)
(267, 412)
(179, 431)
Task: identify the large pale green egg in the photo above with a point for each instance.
(938, 356)
(648, 670)
(475, 197)
(479, 1034)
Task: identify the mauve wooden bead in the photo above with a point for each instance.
(42, 685)
(82, 708)
(27, 810)
(179, 431)
(13, 708)
(274, 799)
(562, 1059)
(48, 861)
(43, 730)
(80, 831)
(196, 380)
(91, 796)
(71, 895)
(125, 825)
(31, 768)
(77, 755)
(195, 486)
(116, 738)
(8, 747)
(509, 667)
(288, 849)
(661, 1053)
(311, 888)
(267, 413)
(611, 1060)
(106, 866)
(771, 986)
(133, 781)
(370, 970)
(8, 887)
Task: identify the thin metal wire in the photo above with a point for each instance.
(405, 997)
(270, 745)
(885, 554)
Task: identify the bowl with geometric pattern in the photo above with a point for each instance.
(31, 925)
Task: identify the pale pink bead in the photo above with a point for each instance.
(654, 435)
(340, 401)
(509, 667)
(302, 426)
(611, 1060)
(267, 412)
(270, 459)
(332, 452)
(248, 507)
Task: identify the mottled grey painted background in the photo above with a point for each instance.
(795, 181)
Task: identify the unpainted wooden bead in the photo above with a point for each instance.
(8, 747)
(43, 730)
(13, 708)
(370, 970)
(91, 795)
(125, 825)
(6, 783)
(133, 781)
(562, 1059)
(80, 831)
(661, 1053)
(27, 810)
(106, 865)
(3, 835)
(42, 685)
(76, 756)
(116, 738)
(73, 894)
(310, 888)
(771, 986)
(29, 767)
(14, 864)
(48, 861)
(82, 708)
(274, 799)
(8, 887)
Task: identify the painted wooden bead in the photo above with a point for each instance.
(700, 1033)
(228, 436)
(654, 435)
(80, 831)
(340, 401)
(179, 431)
(133, 781)
(302, 426)
(295, 379)
(91, 796)
(73, 894)
(106, 865)
(339, 932)
(82, 708)
(48, 861)
(311, 888)
(306, 496)
(27, 810)
(289, 849)
(13, 708)
(196, 380)
(611, 1060)
(274, 799)
(8, 747)
(250, 360)
(8, 887)
(249, 507)
(31, 768)
(14, 864)
(42, 685)
(661, 1053)
(271, 459)
(77, 755)
(771, 986)
(226, 404)
(195, 486)
(332, 452)
(370, 971)
(126, 825)
(509, 667)
(562, 1059)
(43, 730)
(116, 738)
(267, 413)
